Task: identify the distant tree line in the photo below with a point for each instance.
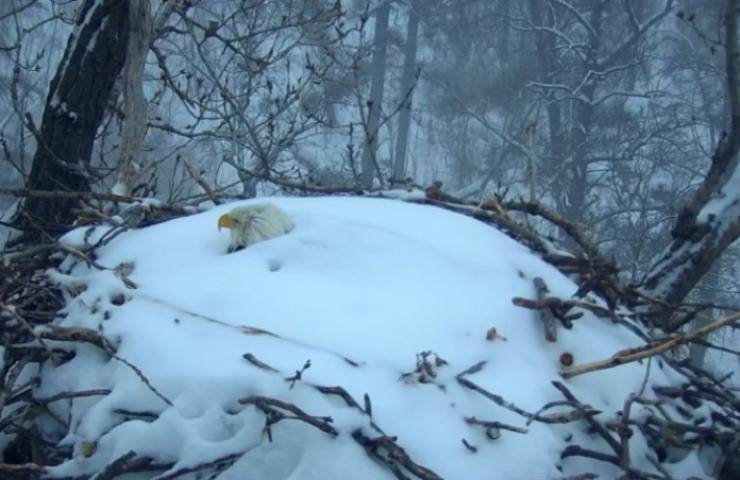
(622, 117)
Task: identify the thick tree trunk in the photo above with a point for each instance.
(581, 145)
(689, 259)
(369, 154)
(407, 89)
(555, 156)
(74, 109)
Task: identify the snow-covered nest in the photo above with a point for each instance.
(361, 288)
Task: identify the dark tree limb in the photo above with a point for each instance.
(275, 409)
(632, 473)
(593, 423)
(549, 303)
(386, 451)
(24, 471)
(698, 242)
(74, 109)
(127, 463)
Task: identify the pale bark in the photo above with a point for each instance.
(408, 81)
(130, 165)
(375, 104)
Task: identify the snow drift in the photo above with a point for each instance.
(364, 289)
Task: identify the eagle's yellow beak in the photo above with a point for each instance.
(225, 221)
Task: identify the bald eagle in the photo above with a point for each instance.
(251, 224)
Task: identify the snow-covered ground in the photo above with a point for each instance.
(359, 288)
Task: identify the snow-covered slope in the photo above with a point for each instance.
(359, 287)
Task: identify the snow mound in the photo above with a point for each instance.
(361, 288)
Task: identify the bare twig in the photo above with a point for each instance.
(548, 318)
(127, 463)
(625, 433)
(77, 394)
(499, 400)
(562, 304)
(201, 181)
(385, 450)
(494, 424)
(649, 350)
(274, 406)
(258, 363)
(598, 427)
(570, 228)
(81, 334)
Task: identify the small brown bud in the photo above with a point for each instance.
(492, 334)
(566, 359)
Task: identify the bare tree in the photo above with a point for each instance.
(75, 104)
(30, 37)
(408, 80)
(375, 102)
(242, 84)
(135, 104)
(710, 222)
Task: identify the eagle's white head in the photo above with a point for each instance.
(251, 224)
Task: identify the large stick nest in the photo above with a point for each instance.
(29, 304)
